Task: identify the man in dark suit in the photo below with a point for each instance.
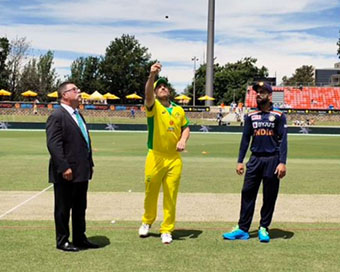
(70, 168)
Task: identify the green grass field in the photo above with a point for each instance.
(313, 168)
(126, 120)
(29, 246)
(94, 119)
(313, 163)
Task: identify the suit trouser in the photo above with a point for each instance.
(259, 169)
(70, 196)
(162, 169)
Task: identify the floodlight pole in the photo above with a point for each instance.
(194, 59)
(209, 84)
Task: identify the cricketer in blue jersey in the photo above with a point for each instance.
(268, 130)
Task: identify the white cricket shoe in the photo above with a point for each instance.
(166, 238)
(144, 230)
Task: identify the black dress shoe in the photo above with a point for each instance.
(86, 244)
(67, 246)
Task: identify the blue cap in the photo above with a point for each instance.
(262, 85)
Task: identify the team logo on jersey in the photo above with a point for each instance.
(256, 117)
(271, 118)
(163, 112)
(177, 115)
(255, 125)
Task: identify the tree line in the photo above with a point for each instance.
(123, 70)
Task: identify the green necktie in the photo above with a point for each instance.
(82, 127)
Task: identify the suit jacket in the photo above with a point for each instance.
(67, 147)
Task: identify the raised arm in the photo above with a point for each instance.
(149, 92)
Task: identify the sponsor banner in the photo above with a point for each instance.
(96, 107)
(6, 105)
(308, 111)
(196, 109)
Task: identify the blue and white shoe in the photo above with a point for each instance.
(236, 234)
(263, 235)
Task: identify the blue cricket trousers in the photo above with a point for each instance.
(260, 167)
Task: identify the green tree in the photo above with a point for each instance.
(38, 75)
(303, 76)
(47, 74)
(4, 72)
(29, 78)
(18, 53)
(86, 75)
(125, 67)
(230, 80)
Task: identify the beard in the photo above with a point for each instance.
(261, 102)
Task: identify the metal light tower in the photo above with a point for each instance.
(194, 59)
(209, 84)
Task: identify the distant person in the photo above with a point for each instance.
(70, 169)
(219, 117)
(233, 106)
(133, 112)
(267, 163)
(168, 133)
(35, 108)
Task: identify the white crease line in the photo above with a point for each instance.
(27, 200)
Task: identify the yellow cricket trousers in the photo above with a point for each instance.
(162, 169)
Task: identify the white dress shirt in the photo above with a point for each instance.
(70, 110)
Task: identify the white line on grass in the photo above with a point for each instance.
(27, 200)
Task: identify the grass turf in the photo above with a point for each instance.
(137, 120)
(105, 120)
(30, 246)
(313, 163)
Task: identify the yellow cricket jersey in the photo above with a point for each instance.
(165, 127)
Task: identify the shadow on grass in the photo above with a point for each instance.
(180, 234)
(275, 234)
(102, 241)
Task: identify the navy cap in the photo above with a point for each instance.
(262, 85)
(161, 80)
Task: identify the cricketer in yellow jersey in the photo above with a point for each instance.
(168, 133)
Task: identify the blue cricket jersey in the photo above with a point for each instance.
(269, 133)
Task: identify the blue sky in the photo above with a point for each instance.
(282, 36)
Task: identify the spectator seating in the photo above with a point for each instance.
(303, 98)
